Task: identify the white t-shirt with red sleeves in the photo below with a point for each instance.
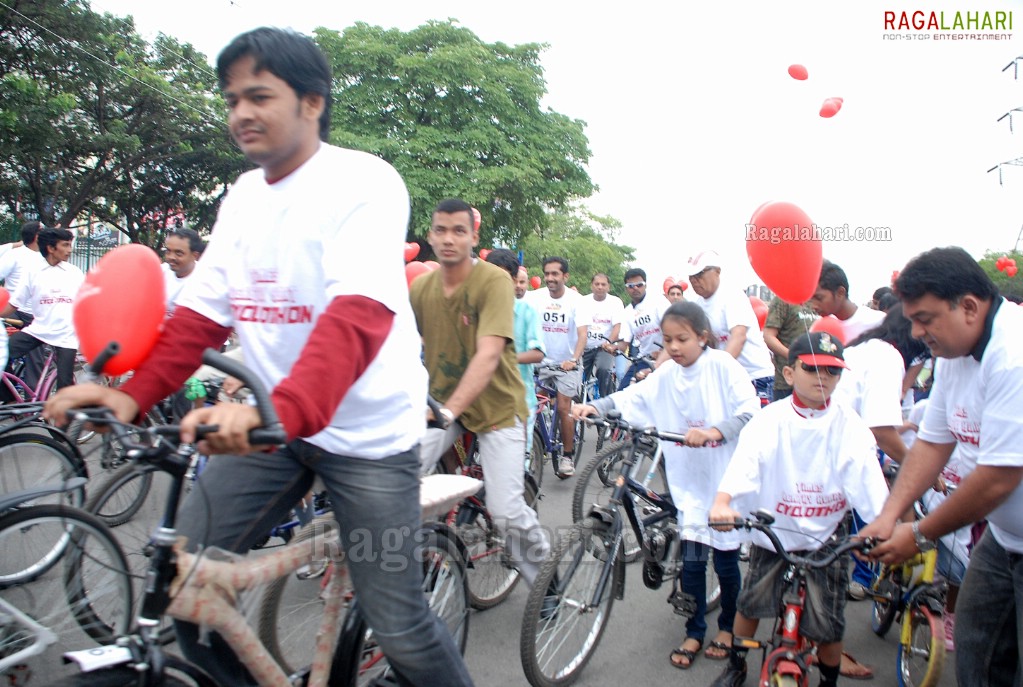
(601, 316)
(560, 319)
(729, 308)
(976, 404)
(806, 471)
(641, 322)
(49, 294)
(675, 399)
(281, 252)
(16, 265)
(872, 386)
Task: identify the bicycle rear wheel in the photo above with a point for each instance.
(561, 630)
(121, 495)
(29, 460)
(535, 459)
(177, 673)
(922, 647)
(83, 596)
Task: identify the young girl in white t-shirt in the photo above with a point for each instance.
(706, 396)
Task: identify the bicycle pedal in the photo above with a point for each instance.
(683, 603)
(653, 574)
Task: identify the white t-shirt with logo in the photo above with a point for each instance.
(728, 308)
(281, 252)
(806, 471)
(16, 265)
(560, 319)
(601, 316)
(977, 405)
(49, 294)
(872, 386)
(863, 319)
(641, 322)
(172, 286)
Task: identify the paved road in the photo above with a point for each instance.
(642, 631)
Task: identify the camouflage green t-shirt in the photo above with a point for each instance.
(483, 305)
(790, 321)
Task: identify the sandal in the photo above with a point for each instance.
(688, 654)
(853, 669)
(718, 650)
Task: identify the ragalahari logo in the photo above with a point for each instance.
(942, 25)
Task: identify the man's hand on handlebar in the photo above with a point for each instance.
(579, 411)
(234, 420)
(89, 395)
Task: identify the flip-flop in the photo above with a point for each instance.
(688, 654)
(867, 673)
(720, 646)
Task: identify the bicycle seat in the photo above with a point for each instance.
(438, 492)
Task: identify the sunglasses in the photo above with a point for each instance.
(833, 370)
(636, 285)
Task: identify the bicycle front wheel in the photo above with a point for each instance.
(176, 673)
(491, 576)
(84, 596)
(29, 460)
(121, 496)
(535, 459)
(922, 647)
(569, 605)
(594, 485)
(883, 613)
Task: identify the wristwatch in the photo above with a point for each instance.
(922, 542)
(448, 417)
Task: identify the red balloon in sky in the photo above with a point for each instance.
(668, 283)
(684, 286)
(798, 72)
(831, 107)
(831, 325)
(1011, 270)
(411, 251)
(760, 308)
(484, 252)
(413, 270)
(785, 251)
(535, 282)
(121, 300)
(476, 219)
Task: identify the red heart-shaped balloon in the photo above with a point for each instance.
(411, 251)
(785, 250)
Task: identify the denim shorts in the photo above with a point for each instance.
(824, 615)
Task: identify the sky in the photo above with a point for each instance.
(693, 121)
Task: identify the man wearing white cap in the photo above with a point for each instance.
(732, 320)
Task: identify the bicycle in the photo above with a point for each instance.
(548, 443)
(586, 570)
(63, 580)
(789, 654)
(909, 593)
(199, 589)
(34, 453)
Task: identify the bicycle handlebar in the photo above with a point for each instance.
(614, 419)
(762, 521)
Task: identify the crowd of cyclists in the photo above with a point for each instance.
(797, 417)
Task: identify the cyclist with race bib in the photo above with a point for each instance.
(641, 322)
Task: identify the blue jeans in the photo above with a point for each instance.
(641, 364)
(989, 617)
(694, 581)
(376, 502)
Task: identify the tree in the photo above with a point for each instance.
(95, 122)
(458, 117)
(587, 241)
(1008, 286)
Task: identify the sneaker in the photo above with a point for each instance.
(857, 592)
(731, 677)
(566, 467)
(950, 630)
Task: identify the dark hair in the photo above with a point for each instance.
(634, 272)
(833, 276)
(887, 302)
(881, 291)
(29, 231)
(946, 273)
(895, 329)
(49, 236)
(289, 56)
(554, 258)
(600, 274)
(694, 316)
(506, 260)
(676, 286)
(452, 206)
(195, 242)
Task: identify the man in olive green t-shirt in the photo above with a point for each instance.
(465, 314)
(784, 323)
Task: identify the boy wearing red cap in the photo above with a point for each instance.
(808, 462)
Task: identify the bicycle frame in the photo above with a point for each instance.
(47, 380)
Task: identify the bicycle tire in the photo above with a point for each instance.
(558, 641)
(883, 612)
(84, 596)
(784, 681)
(926, 640)
(447, 588)
(177, 673)
(491, 577)
(121, 495)
(29, 460)
(536, 458)
(594, 485)
(290, 609)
